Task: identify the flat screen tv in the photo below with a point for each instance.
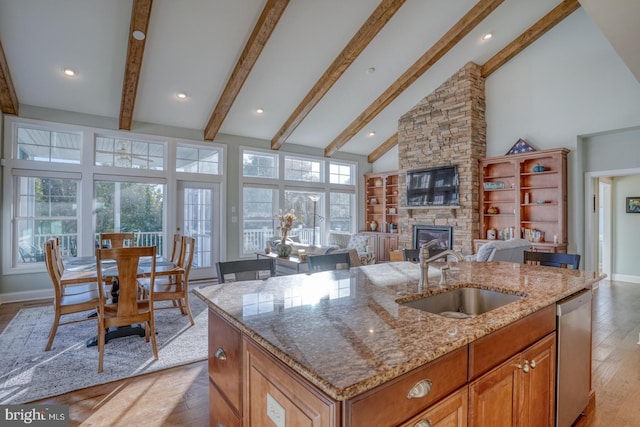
(433, 186)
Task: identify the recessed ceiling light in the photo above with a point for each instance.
(259, 110)
(69, 72)
(371, 70)
(181, 95)
(138, 35)
(372, 133)
(487, 36)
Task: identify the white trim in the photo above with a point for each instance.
(625, 278)
(37, 294)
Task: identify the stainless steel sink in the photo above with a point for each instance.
(463, 302)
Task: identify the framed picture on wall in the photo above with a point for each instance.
(633, 204)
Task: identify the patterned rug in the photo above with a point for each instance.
(29, 373)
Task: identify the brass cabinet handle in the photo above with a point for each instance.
(420, 389)
(525, 368)
(220, 354)
(532, 364)
(423, 423)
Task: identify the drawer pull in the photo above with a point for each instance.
(421, 389)
(525, 368)
(532, 364)
(220, 354)
(423, 423)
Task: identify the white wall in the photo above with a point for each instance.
(567, 84)
(626, 230)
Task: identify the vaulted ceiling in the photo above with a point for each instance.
(329, 74)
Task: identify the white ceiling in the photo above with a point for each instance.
(192, 46)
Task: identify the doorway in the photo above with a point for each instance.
(198, 215)
(604, 226)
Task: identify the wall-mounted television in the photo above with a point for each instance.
(433, 186)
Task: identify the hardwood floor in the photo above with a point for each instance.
(180, 396)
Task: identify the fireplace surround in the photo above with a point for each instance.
(425, 233)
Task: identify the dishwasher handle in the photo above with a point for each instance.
(572, 302)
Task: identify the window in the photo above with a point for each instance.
(259, 165)
(306, 206)
(131, 207)
(47, 146)
(341, 211)
(198, 160)
(258, 222)
(340, 173)
(302, 169)
(45, 207)
(125, 153)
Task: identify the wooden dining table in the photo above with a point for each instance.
(79, 270)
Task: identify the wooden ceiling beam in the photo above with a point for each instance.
(383, 148)
(467, 23)
(372, 26)
(267, 22)
(140, 14)
(533, 33)
(8, 98)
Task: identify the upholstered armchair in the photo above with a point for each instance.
(358, 242)
(501, 250)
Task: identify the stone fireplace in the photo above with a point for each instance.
(446, 128)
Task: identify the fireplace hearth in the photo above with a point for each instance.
(426, 233)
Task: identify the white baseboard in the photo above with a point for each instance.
(626, 278)
(26, 296)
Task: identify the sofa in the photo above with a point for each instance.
(501, 250)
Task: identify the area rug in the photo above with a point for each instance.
(29, 373)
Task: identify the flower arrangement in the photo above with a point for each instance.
(286, 222)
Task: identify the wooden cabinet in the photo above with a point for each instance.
(450, 412)
(225, 370)
(277, 397)
(525, 195)
(381, 201)
(382, 244)
(519, 392)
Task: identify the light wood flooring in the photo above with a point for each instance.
(180, 396)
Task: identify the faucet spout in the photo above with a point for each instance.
(426, 260)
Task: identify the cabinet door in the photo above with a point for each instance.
(225, 359)
(493, 400)
(450, 412)
(386, 244)
(220, 413)
(539, 383)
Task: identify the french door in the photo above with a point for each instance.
(198, 216)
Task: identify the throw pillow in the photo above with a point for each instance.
(358, 242)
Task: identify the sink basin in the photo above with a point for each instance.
(463, 302)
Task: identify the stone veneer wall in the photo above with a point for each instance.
(447, 127)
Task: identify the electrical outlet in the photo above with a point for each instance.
(275, 411)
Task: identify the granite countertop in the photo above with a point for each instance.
(345, 331)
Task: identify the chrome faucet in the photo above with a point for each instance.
(425, 260)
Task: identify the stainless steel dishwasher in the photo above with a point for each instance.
(573, 356)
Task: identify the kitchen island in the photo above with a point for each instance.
(336, 348)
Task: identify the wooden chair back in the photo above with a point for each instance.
(176, 248)
(246, 269)
(328, 261)
(116, 240)
(552, 259)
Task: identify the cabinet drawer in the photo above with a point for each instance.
(225, 359)
(451, 411)
(446, 374)
(220, 412)
(493, 349)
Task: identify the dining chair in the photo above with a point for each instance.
(246, 269)
(174, 288)
(552, 259)
(116, 240)
(66, 299)
(328, 261)
(129, 309)
(176, 248)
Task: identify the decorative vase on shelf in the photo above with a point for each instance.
(283, 250)
(373, 225)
